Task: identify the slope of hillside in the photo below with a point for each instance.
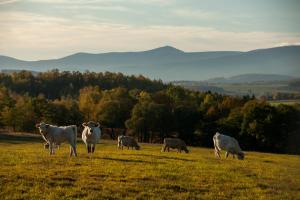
(169, 63)
(29, 172)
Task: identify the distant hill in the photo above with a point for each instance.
(251, 78)
(10, 71)
(168, 63)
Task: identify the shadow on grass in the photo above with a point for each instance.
(268, 161)
(18, 139)
(165, 157)
(126, 160)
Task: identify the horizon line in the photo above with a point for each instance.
(160, 47)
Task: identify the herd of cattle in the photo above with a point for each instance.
(55, 135)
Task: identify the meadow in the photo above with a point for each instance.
(29, 172)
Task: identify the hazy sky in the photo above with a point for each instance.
(43, 29)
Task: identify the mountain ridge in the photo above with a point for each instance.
(169, 63)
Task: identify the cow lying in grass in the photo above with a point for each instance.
(127, 141)
(55, 135)
(229, 144)
(174, 143)
(91, 135)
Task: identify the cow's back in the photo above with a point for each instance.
(64, 133)
(225, 142)
(174, 142)
(127, 141)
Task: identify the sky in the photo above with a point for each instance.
(47, 29)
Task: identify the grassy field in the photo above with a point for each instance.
(29, 172)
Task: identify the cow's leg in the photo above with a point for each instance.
(93, 148)
(163, 148)
(71, 151)
(89, 148)
(217, 153)
(233, 156)
(51, 147)
(226, 154)
(75, 151)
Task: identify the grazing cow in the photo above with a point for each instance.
(229, 144)
(174, 143)
(91, 135)
(55, 135)
(127, 141)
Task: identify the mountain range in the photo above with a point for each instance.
(168, 63)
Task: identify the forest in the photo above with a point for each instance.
(148, 109)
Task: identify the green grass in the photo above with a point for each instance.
(29, 172)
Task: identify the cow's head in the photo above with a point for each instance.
(137, 147)
(186, 150)
(42, 127)
(241, 155)
(91, 126)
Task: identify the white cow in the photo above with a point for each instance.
(91, 135)
(55, 135)
(229, 144)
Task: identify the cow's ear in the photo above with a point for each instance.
(47, 125)
(37, 125)
(84, 124)
(98, 124)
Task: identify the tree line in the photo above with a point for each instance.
(147, 109)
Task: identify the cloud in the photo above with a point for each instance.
(2, 2)
(32, 36)
(282, 44)
(161, 2)
(195, 14)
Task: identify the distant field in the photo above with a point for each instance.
(287, 102)
(256, 88)
(29, 172)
